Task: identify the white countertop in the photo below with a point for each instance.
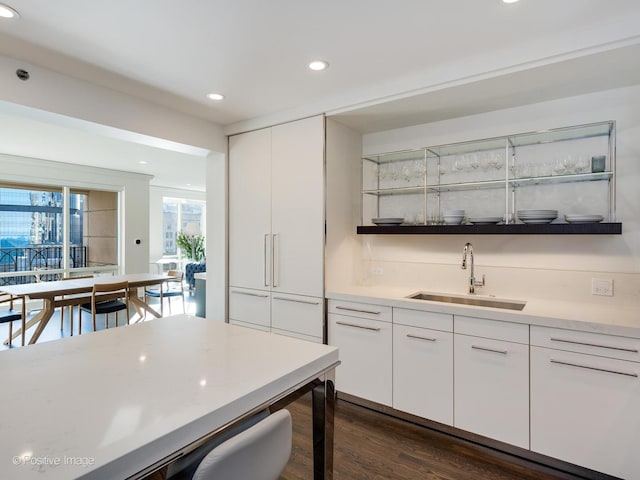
(124, 398)
(610, 319)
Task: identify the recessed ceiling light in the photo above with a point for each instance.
(215, 96)
(143, 162)
(509, 1)
(318, 65)
(7, 12)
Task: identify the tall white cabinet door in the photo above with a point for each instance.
(585, 409)
(298, 207)
(491, 385)
(250, 210)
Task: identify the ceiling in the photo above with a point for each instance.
(392, 64)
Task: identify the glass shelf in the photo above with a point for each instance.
(567, 178)
(450, 187)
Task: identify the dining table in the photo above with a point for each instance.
(76, 291)
(124, 403)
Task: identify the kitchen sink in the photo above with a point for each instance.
(469, 300)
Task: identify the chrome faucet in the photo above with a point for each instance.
(473, 283)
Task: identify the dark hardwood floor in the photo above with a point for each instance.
(373, 446)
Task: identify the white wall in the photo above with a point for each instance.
(135, 197)
(343, 148)
(70, 97)
(217, 237)
(520, 266)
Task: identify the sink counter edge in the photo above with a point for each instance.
(622, 319)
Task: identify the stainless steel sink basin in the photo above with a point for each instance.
(469, 300)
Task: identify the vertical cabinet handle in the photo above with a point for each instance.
(265, 258)
(275, 245)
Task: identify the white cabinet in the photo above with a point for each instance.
(365, 346)
(297, 202)
(250, 210)
(491, 379)
(251, 307)
(296, 313)
(276, 219)
(423, 364)
(585, 406)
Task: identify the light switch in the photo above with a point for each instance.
(602, 286)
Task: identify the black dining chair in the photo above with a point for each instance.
(12, 316)
(107, 298)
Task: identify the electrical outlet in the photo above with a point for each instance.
(602, 286)
(377, 271)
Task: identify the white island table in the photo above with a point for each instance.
(123, 402)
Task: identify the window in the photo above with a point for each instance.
(180, 215)
(34, 237)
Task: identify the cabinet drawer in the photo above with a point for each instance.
(295, 313)
(421, 319)
(361, 310)
(251, 306)
(495, 329)
(623, 348)
(301, 336)
(262, 328)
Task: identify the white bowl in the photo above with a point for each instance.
(453, 219)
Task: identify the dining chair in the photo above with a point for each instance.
(13, 317)
(70, 308)
(175, 288)
(259, 453)
(105, 299)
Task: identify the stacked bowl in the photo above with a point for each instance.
(453, 217)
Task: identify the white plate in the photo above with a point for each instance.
(537, 212)
(485, 220)
(584, 218)
(537, 217)
(387, 221)
(537, 220)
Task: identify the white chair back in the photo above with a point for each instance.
(259, 453)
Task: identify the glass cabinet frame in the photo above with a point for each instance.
(425, 175)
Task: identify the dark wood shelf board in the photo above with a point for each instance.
(517, 229)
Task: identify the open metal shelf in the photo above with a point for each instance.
(511, 229)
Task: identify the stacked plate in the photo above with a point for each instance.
(537, 216)
(575, 218)
(387, 221)
(485, 220)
